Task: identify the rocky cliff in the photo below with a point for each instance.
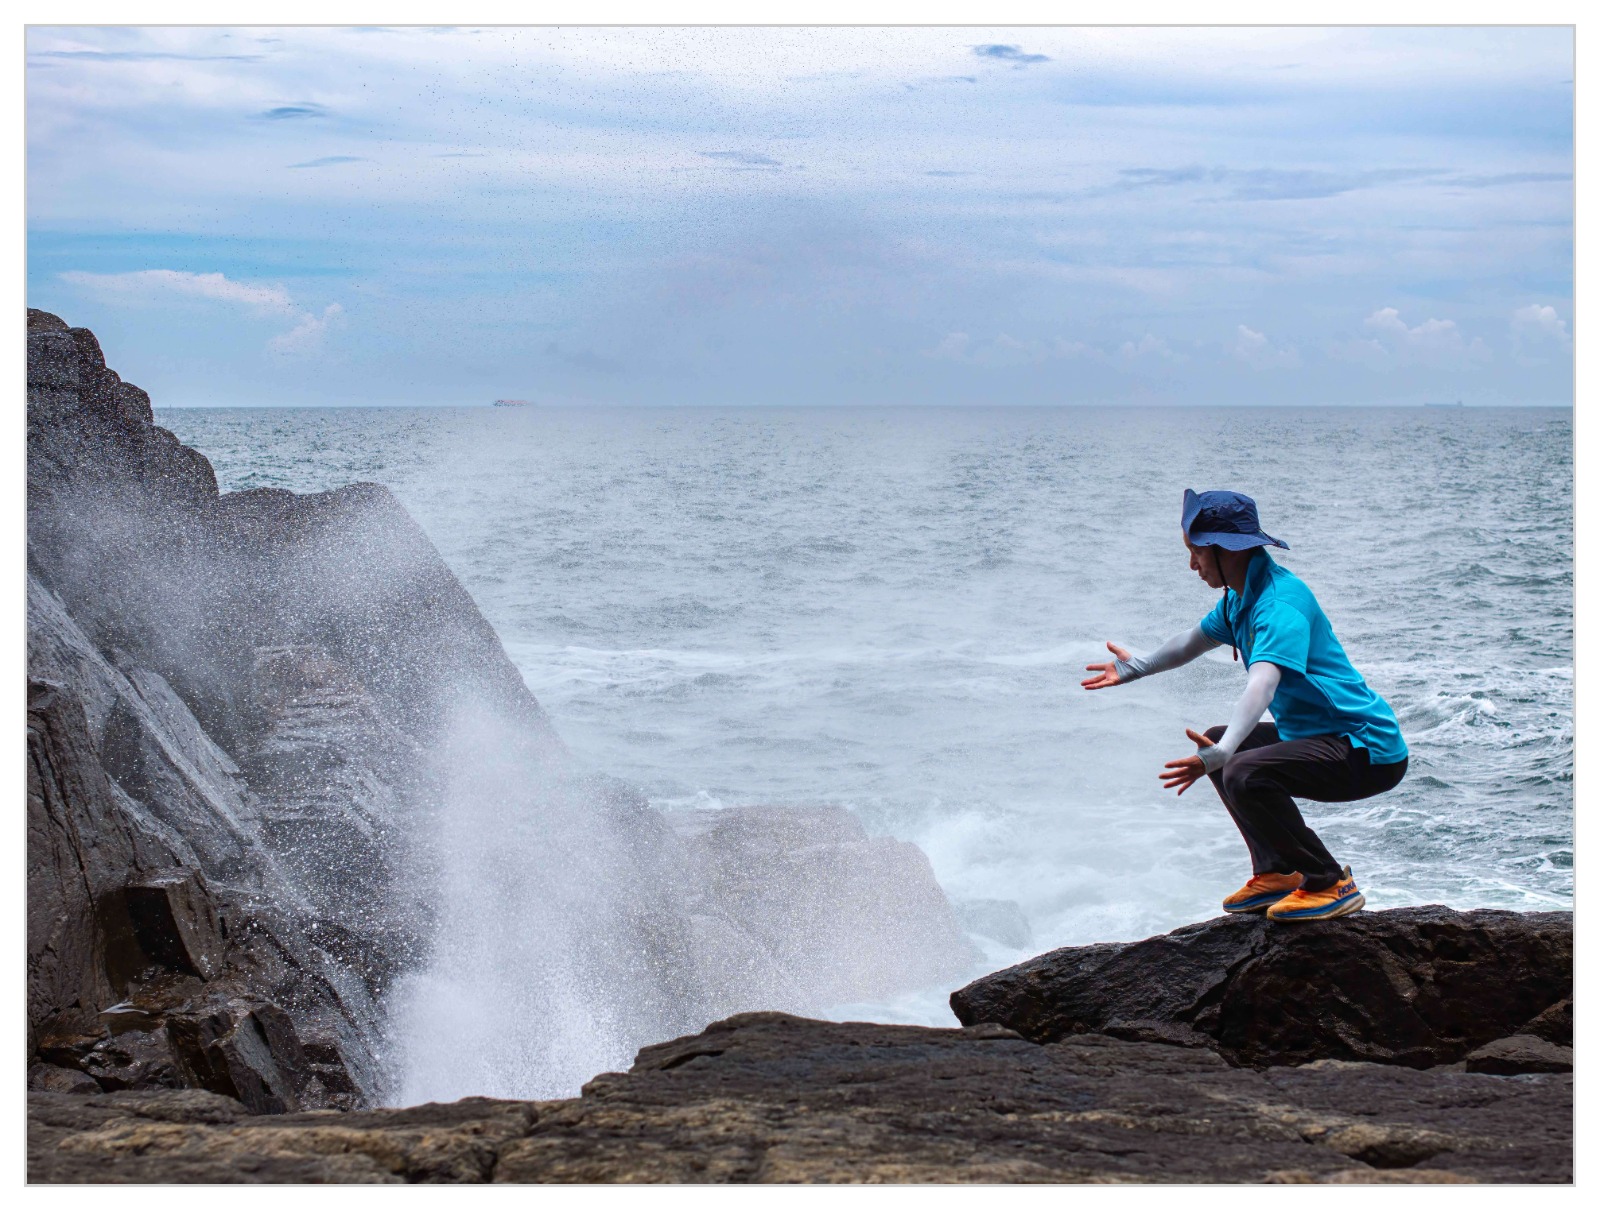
(261, 728)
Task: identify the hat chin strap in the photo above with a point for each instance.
(1225, 591)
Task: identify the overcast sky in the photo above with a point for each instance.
(752, 216)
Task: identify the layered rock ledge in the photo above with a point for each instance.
(1134, 1068)
(1414, 986)
(765, 1097)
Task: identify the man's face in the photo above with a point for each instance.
(1203, 561)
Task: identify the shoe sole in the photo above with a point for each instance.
(1338, 908)
(1260, 904)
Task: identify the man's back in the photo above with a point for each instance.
(1278, 619)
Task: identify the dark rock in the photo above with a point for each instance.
(170, 921)
(771, 1098)
(321, 766)
(126, 1138)
(328, 1082)
(240, 1049)
(133, 1059)
(81, 851)
(1520, 1053)
(350, 571)
(1554, 1025)
(50, 1078)
(128, 949)
(1413, 986)
(155, 852)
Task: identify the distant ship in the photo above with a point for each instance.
(513, 403)
(1457, 404)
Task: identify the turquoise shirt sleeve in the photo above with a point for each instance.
(1214, 626)
(1282, 636)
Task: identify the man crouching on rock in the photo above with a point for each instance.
(1333, 741)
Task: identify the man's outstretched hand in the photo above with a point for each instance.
(1183, 773)
(1105, 675)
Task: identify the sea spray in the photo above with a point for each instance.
(558, 945)
(571, 924)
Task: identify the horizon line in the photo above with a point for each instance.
(574, 407)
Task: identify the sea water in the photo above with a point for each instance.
(891, 609)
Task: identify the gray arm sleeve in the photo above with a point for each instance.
(1259, 688)
(1180, 649)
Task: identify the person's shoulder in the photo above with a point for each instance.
(1283, 589)
(1280, 577)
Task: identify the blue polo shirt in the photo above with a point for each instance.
(1276, 619)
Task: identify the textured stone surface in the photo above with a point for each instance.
(771, 1098)
(133, 979)
(1554, 1025)
(1413, 986)
(1520, 1053)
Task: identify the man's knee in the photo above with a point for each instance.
(1215, 734)
(1239, 776)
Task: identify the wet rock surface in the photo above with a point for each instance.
(1413, 986)
(771, 1098)
(144, 974)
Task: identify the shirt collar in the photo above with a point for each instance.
(1256, 576)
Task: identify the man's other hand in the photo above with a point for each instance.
(1105, 675)
(1183, 773)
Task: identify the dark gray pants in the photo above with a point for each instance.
(1258, 784)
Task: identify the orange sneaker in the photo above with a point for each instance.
(1335, 901)
(1262, 891)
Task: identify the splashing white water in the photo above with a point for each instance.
(539, 976)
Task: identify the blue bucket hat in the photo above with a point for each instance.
(1224, 519)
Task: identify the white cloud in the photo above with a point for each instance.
(1434, 343)
(533, 174)
(1006, 350)
(1254, 349)
(1003, 349)
(953, 346)
(307, 335)
(1537, 333)
(1149, 349)
(153, 286)
(1540, 321)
